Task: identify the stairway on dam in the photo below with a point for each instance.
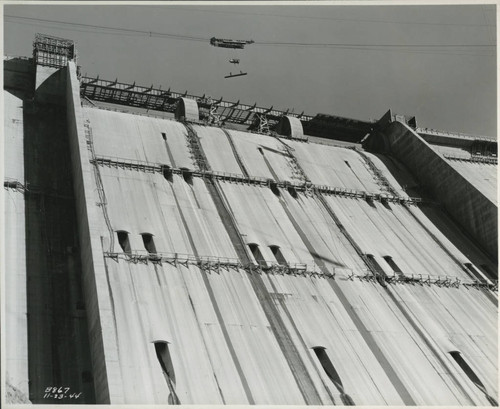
(172, 262)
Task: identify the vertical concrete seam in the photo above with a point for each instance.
(306, 348)
(428, 343)
(215, 306)
(367, 337)
(277, 325)
(235, 153)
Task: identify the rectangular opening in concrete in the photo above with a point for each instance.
(257, 255)
(375, 265)
(168, 173)
(457, 356)
(124, 241)
(278, 255)
(165, 360)
(332, 373)
(293, 192)
(393, 264)
(187, 175)
(377, 269)
(274, 188)
(149, 243)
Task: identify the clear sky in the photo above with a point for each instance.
(449, 88)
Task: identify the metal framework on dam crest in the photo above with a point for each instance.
(260, 119)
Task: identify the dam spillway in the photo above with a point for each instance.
(179, 262)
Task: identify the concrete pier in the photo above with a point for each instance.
(466, 189)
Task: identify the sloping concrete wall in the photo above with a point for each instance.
(181, 305)
(18, 85)
(238, 335)
(97, 303)
(460, 194)
(57, 332)
(16, 338)
(481, 175)
(45, 327)
(49, 84)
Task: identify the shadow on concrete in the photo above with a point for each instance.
(58, 344)
(442, 219)
(19, 77)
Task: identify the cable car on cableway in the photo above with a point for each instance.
(227, 43)
(236, 46)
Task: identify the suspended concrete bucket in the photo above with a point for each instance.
(291, 127)
(187, 110)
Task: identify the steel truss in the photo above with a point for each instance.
(53, 51)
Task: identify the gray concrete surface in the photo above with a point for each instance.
(237, 333)
(468, 191)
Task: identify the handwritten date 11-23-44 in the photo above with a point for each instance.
(60, 392)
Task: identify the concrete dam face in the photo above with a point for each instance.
(157, 261)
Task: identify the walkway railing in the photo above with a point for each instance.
(473, 159)
(461, 135)
(214, 263)
(149, 167)
(427, 279)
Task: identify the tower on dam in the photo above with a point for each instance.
(169, 248)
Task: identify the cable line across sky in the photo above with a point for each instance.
(361, 20)
(452, 49)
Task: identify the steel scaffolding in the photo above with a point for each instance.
(53, 51)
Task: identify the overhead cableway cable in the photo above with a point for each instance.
(350, 20)
(119, 30)
(417, 48)
(369, 45)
